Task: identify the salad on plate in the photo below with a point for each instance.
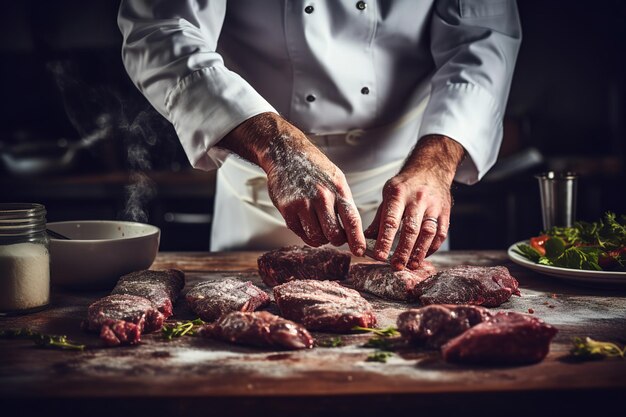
(596, 246)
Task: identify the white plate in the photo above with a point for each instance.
(579, 276)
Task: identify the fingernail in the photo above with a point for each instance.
(398, 266)
(414, 265)
(360, 251)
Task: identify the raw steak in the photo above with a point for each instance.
(162, 288)
(259, 329)
(383, 281)
(120, 332)
(432, 326)
(506, 338)
(478, 285)
(303, 262)
(323, 305)
(209, 300)
(121, 318)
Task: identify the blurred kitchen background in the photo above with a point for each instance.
(78, 137)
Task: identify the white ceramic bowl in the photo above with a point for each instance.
(100, 251)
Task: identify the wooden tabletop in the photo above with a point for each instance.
(193, 373)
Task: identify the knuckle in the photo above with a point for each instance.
(392, 188)
(410, 227)
(442, 234)
(390, 223)
(323, 196)
(428, 232)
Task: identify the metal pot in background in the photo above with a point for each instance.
(39, 157)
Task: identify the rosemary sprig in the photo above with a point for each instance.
(180, 328)
(40, 339)
(590, 348)
(386, 332)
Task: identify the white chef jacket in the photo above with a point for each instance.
(392, 71)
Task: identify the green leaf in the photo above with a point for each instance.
(528, 252)
(379, 357)
(590, 348)
(386, 332)
(555, 246)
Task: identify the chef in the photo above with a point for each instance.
(326, 116)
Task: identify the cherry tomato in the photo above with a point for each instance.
(538, 243)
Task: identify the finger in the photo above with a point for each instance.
(372, 230)
(293, 223)
(311, 227)
(391, 214)
(409, 231)
(428, 230)
(351, 221)
(442, 232)
(327, 217)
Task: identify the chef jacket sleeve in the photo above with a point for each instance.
(474, 44)
(169, 51)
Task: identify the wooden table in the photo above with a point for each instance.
(194, 375)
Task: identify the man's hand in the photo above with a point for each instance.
(310, 192)
(417, 203)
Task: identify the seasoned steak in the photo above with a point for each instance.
(323, 305)
(303, 262)
(211, 299)
(506, 338)
(434, 325)
(478, 285)
(162, 288)
(120, 332)
(259, 328)
(383, 281)
(116, 313)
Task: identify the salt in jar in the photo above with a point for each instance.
(24, 258)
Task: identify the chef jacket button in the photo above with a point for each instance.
(309, 9)
(365, 90)
(361, 5)
(310, 98)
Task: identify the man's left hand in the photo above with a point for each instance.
(416, 203)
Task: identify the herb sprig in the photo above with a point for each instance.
(382, 341)
(590, 348)
(41, 339)
(332, 342)
(180, 328)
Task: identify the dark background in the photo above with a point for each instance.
(78, 137)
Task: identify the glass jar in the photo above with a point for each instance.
(24, 258)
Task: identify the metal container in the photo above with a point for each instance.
(558, 198)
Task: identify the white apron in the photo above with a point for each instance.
(244, 216)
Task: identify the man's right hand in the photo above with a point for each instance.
(310, 192)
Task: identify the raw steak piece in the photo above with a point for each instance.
(123, 317)
(209, 300)
(432, 326)
(478, 285)
(162, 288)
(259, 328)
(302, 262)
(120, 332)
(323, 305)
(383, 281)
(506, 338)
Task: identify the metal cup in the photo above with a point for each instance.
(558, 198)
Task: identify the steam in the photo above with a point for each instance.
(139, 134)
